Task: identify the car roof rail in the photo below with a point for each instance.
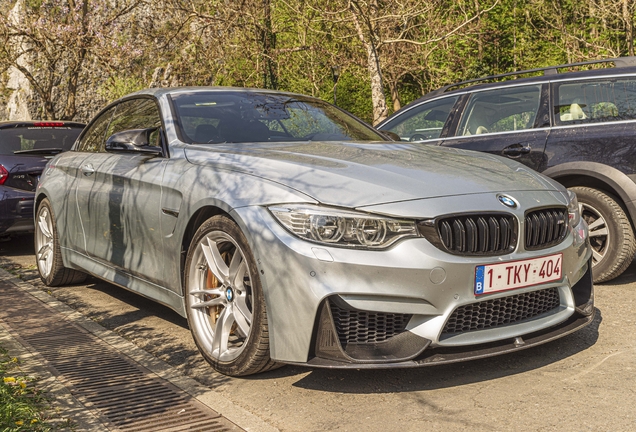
(550, 70)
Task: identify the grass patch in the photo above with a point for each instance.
(23, 407)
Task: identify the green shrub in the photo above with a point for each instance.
(23, 406)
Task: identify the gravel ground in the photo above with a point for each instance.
(584, 382)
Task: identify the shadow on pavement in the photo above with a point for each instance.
(18, 245)
(381, 381)
(143, 306)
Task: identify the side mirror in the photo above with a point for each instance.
(133, 141)
(392, 135)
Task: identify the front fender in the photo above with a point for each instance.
(615, 180)
(200, 188)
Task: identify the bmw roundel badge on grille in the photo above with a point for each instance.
(507, 201)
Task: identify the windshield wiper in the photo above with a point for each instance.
(44, 151)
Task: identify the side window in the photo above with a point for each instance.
(95, 137)
(501, 110)
(137, 114)
(595, 101)
(424, 121)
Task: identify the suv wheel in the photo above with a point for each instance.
(611, 233)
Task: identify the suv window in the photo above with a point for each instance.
(136, 114)
(94, 138)
(424, 121)
(501, 110)
(595, 101)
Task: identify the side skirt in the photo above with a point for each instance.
(154, 292)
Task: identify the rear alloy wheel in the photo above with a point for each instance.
(224, 300)
(47, 250)
(611, 233)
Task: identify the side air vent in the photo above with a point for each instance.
(361, 327)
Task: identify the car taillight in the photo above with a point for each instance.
(48, 124)
(4, 175)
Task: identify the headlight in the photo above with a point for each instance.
(343, 228)
(573, 209)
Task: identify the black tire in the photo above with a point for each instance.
(244, 354)
(47, 250)
(613, 251)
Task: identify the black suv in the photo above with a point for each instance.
(25, 148)
(578, 128)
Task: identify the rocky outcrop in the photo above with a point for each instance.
(19, 100)
(17, 87)
(17, 107)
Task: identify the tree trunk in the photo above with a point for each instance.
(380, 109)
(395, 96)
(73, 79)
(268, 41)
(49, 109)
(629, 26)
(70, 110)
(480, 44)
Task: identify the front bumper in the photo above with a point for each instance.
(414, 278)
(409, 350)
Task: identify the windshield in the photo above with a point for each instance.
(33, 138)
(234, 117)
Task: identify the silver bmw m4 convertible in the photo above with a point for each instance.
(287, 231)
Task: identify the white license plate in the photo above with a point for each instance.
(517, 274)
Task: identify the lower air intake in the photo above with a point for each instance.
(502, 311)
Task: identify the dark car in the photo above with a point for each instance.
(25, 148)
(578, 128)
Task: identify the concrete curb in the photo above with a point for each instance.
(209, 397)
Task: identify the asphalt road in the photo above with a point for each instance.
(583, 382)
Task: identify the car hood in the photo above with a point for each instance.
(360, 174)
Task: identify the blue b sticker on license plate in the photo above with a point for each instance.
(517, 274)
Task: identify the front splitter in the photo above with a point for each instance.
(439, 356)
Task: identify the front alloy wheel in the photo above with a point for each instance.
(224, 303)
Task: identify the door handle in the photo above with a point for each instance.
(517, 150)
(88, 170)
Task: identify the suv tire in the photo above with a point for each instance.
(611, 233)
